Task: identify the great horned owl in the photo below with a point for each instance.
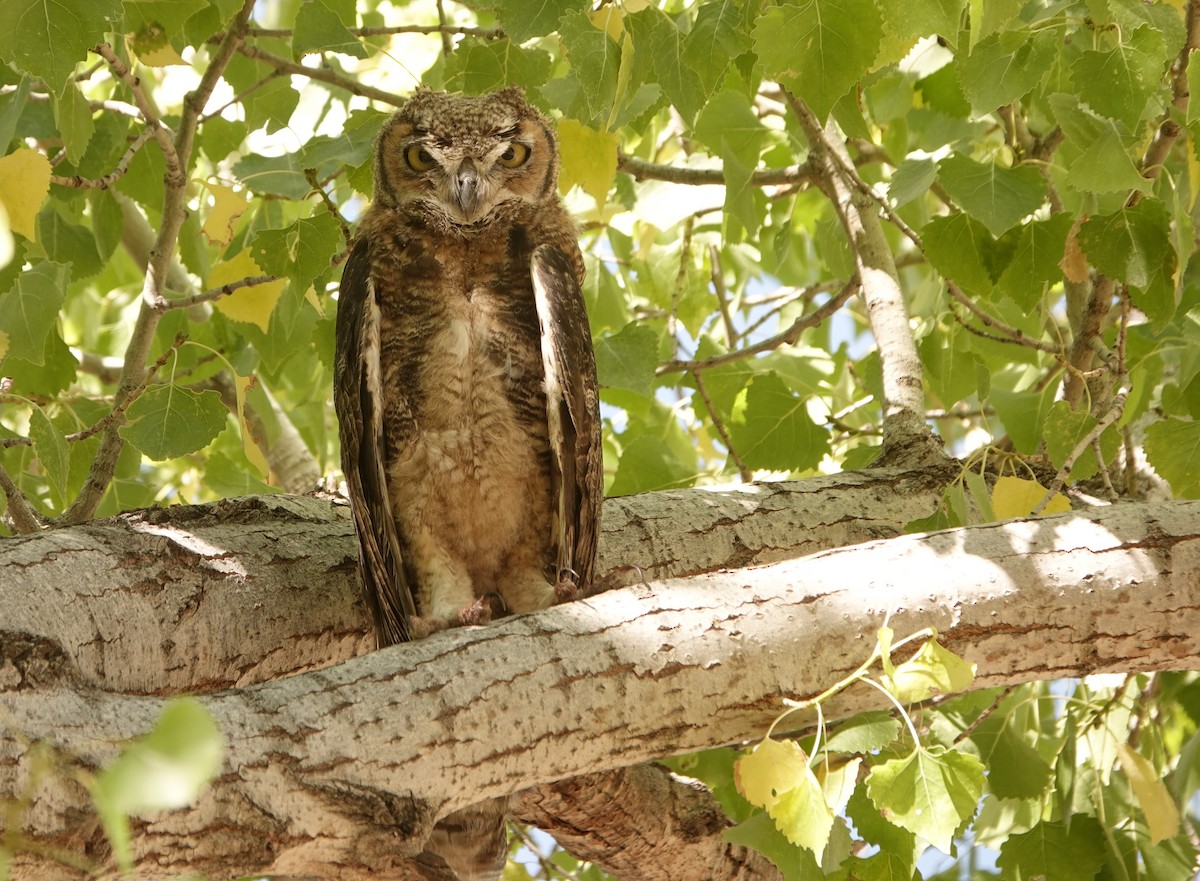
(465, 386)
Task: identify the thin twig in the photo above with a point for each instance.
(321, 74)
(485, 33)
(148, 111)
(743, 472)
(118, 172)
(718, 279)
(217, 293)
(787, 337)
(24, 519)
(1011, 334)
(310, 175)
(447, 45)
(640, 169)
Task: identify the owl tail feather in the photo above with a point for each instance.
(473, 841)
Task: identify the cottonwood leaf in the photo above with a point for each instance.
(250, 444)
(24, 183)
(253, 304)
(838, 778)
(1173, 449)
(1120, 81)
(864, 733)
(48, 40)
(228, 205)
(1016, 497)
(819, 48)
(627, 359)
(771, 427)
(1051, 850)
(933, 670)
(729, 126)
(164, 770)
(1004, 66)
(761, 834)
(768, 770)
(479, 66)
(931, 792)
(595, 60)
(170, 420)
(52, 450)
(318, 28)
(1015, 769)
(647, 464)
(991, 193)
(523, 20)
(962, 250)
(654, 32)
(73, 116)
(1065, 428)
(300, 251)
(29, 310)
(1103, 164)
(1133, 245)
(911, 179)
(67, 242)
(589, 159)
(803, 816)
(1034, 264)
(1162, 815)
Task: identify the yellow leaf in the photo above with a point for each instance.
(228, 206)
(933, 670)
(1162, 816)
(313, 300)
(250, 443)
(1017, 497)
(253, 304)
(3, 344)
(589, 159)
(6, 239)
(769, 770)
(609, 18)
(24, 183)
(838, 777)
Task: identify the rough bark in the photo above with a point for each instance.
(338, 772)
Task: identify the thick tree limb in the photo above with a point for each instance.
(315, 762)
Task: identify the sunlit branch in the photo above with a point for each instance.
(216, 293)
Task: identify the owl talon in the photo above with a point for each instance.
(421, 627)
(483, 610)
(567, 588)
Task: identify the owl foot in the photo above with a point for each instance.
(420, 626)
(483, 610)
(567, 588)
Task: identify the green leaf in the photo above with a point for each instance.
(1133, 245)
(589, 159)
(67, 242)
(864, 733)
(1004, 66)
(1015, 769)
(1023, 414)
(730, 127)
(761, 834)
(911, 179)
(73, 115)
(932, 671)
(1119, 82)
(300, 251)
(595, 60)
(1052, 850)
(721, 32)
(47, 40)
(995, 195)
(51, 448)
(654, 33)
(962, 250)
(771, 427)
(922, 18)
(479, 66)
(1102, 163)
(949, 365)
(931, 792)
(523, 20)
(1065, 428)
(802, 815)
(164, 770)
(170, 420)
(1173, 448)
(819, 48)
(1034, 265)
(648, 464)
(627, 359)
(318, 28)
(29, 310)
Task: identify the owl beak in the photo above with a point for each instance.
(466, 188)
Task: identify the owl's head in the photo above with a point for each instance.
(465, 158)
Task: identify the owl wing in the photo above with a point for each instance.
(358, 396)
(573, 412)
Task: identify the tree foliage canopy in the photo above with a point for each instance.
(812, 229)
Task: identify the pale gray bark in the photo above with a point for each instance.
(337, 772)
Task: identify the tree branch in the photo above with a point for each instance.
(393, 739)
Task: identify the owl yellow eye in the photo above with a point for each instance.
(418, 158)
(514, 156)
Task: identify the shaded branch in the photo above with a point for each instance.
(321, 74)
(118, 172)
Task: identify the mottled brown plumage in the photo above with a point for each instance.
(465, 388)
